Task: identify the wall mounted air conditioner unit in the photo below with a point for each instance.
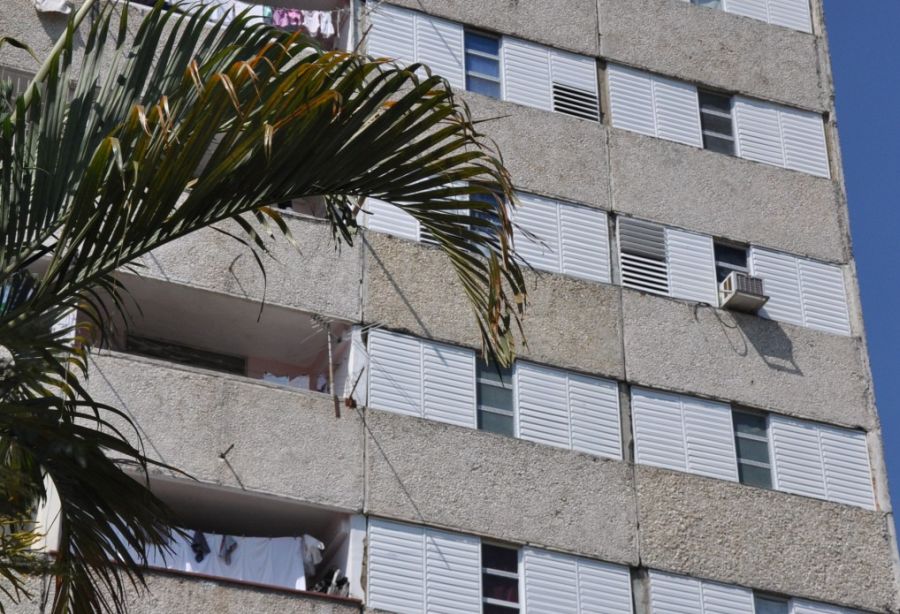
(742, 292)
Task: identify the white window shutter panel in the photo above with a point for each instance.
(677, 112)
(797, 457)
(584, 243)
(642, 256)
(448, 384)
(382, 216)
(794, 14)
(724, 599)
(671, 594)
(539, 217)
(658, 429)
(551, 582)
(801, 606)
(692, 266)
(395, 373)
(603, 588)
(393, 34)
(709, 438)
(396, 572)
(526, 73)
(758, 131)
(439, 45)
(824, 297)
(748, 8)
(781, 283)
(848, 476)
(574, 82)
(452, 573)
(595, 418)
(542, 409)
(805, 148)
(631, 99)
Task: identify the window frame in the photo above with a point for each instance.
(730, 267)
(500, 573)
(770, 465)
(480, 366)
(501, 94)
(714, 112)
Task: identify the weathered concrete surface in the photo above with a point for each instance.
(20, 20)
(567, 24)
(765, 539)
(486, 484)
(715, 48)
(315, 276)
(761, 363)
(287, 442)
(570, 323)
(577, 168)
(726, 196)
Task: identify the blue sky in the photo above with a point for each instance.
(865, 54)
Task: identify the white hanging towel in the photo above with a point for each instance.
(53, 6)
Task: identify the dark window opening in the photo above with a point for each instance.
(715, 121)
(483, 64)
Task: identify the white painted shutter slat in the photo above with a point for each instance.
(642, 256)
(692, 266)
(794, 14)
(677, 112)
(574, 82)
(848, 476)
(631, 99)
(670, 594)
(824, 297)
(603, 588)
(594, 410)
(781, 283)
(797, 457)
(439, 45)
(395, 373)
(543, 414)
(396, 570)
(801, 606)
(758, 131)
(722, 599)
(658, 429)
(453, 573)
(540, 217)
(393, 34)
(709, 439)
(584, 243)
(805, 149)
(448, 384)
(382, 216)
(526, 73)
(551, 582)
(748, 8)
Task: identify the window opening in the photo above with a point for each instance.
(713, 4)
(729, 258)
(499, 579)
(495, 398)
(751, 440)
(770, 605)
(482, 63)
(715, 121)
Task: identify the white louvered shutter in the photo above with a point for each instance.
(848, 476)
(574, 82)
(758, 131)
(670, 594)
(595, 417)
(543, 415)
(382, 216)
(526, 73)
(452, 573)
(805, 149)
(393, 34)
(677, 112)
(642, 256)
(748, 8)
(797, 456)
(794, 14)
(781, 283)
(824, 297)
(801, 606)
(395, 373)
(539, 217)
(584, 243)
(448, 384)
(551, 582)
(692, 266)
(709, 439)
(631, 99)
(659, 438)
(396, 570)
(723, 599)
(603, 588)
(439, 45)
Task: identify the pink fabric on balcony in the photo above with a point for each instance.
(319, 25)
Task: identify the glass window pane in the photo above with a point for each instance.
(492, 608)
(482, 43)
(498, 557)
(768, 605)
(752, 449)
(715, 102)
(483, 86)
(717, 144)
(495, 587)
(496, 423)
(755, 476)
(492, 372)
(749, 424)
(490, 395)
(482, 65)
(716, 123)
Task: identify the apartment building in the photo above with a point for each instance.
(691, 427)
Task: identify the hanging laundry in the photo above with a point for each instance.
(226, 548)
(311, 549)
(318, 25)
(199, 546)
(53, 6)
